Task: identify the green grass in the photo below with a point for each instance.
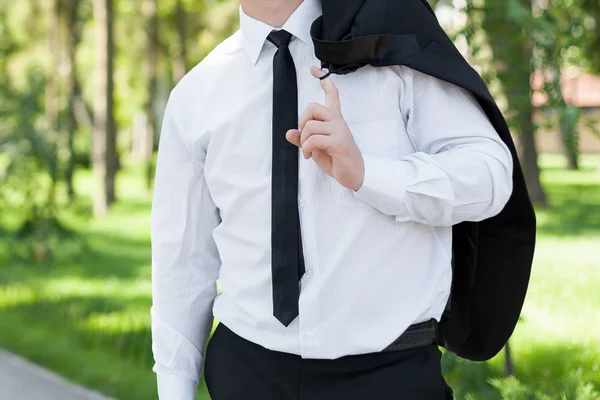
(86, 314)
(558, 335)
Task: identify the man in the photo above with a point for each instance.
(316, 290)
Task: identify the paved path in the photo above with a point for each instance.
(22, 380)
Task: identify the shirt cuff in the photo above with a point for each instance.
(175, 387)
(384, 185)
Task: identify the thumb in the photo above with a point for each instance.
(293, 136)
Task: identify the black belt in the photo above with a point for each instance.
(417, 335)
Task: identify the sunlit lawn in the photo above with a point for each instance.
(86, 315)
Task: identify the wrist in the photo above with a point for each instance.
(360, 176)
(175, 387)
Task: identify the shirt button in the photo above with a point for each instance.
(308, 273)
(309, 335)
(300, 202)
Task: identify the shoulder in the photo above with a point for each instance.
(189, 101)
(197, 84)
(421, 87)
(411, 77)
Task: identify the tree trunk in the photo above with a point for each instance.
(512, 51)
(179, 61)
(529, 158)
(71, 40)
(568, 116)
(150, 9)
(104, 143)
(568, 130)
(83, 113)
(53, 50)
(112, 159)
(52, 99)
(570, 147)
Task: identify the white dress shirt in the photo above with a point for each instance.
(377, 260)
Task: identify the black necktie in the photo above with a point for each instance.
(287, 261)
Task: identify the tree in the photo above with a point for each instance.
(72, 38)
(592, 26)
(150, 9)
(52, 96)
(561, 39)
(180, 65)
(104, 137)
(505, 24)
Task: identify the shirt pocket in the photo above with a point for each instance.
(385, 138)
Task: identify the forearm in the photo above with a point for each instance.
(464, 184)
(181, 323)
(175, 387)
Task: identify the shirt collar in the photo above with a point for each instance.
(255, 32)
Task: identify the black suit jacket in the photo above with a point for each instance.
(491, 259)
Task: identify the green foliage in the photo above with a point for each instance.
(497, 33)
(27, 165)
(554, 350)
(513, 38)
(591, 24)
(34, 155)
(560, 38)
(468, 378)
(572, 388)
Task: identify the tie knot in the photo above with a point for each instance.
(280, 38)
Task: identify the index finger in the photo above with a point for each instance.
(317, 112)
(332, 95)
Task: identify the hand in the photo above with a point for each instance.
(325, 136)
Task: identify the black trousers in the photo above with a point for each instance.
(236, 369)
